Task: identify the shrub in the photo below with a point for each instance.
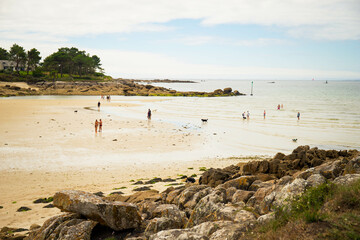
(37, 73)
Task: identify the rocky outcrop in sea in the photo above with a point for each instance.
(223, 204)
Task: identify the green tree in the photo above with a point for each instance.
(18, 55)
(4, 55)
(33, 59)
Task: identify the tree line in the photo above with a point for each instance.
(71, 61)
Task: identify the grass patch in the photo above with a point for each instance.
(194, 175)
(191, 168)
(327, 211)
(119, 188)
(202, 169)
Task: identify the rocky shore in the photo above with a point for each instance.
(114, 87)
(224, 203)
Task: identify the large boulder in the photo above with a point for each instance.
(159, 224)
(208, 228)
(231, 232)
(66, 226)
(170, 211)
(137, 197)
(316, 179)
(330, 170)
(116, 215)
(242, 183)
(290, 190)
(191, 195)
(242, 196)
(207, 208)
(173, 195)
(213, 177)
(344, 180)
(353, 166)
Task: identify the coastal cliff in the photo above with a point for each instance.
(305, 193)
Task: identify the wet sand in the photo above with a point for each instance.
(47, 146)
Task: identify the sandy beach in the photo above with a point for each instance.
(48, 144)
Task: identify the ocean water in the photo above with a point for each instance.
(330, 115)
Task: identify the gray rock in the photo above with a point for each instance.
(316, 179)
(266, 218)
(159, 224)
(208, 228)
(207, 208)
(116, 215)
(195, 191)
(231, 232)
(344, 180)
(146, 208)
(178, 234)
(259, 184)
(229, 193)
(330, 170)
(174, 195)
(52, 227)
(290, 190)
(242, 196)
(171, 211)
(214, 177)
(242, 183)
(353, 166)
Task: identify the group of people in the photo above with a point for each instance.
(98, 124)
(108, 98)
(247, 115)
(280, 106)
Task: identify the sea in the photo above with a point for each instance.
(329, 115)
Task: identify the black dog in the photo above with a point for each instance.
(204, 120)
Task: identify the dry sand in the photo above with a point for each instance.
(45, 146)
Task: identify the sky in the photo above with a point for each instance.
(196, 39)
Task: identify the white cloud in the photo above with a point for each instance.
(326, 19)
(262, 42)
(127, 64)
(198, 40)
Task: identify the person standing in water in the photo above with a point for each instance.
(100, 125)
(298, 115)
(96, 125)
(149, 114)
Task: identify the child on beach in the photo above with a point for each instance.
(243, 115)
(298, 115)
(96, 125)
(100, 125)
(98, 105)
(264, 114)
(248, 115)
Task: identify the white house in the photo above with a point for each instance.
(8, 64)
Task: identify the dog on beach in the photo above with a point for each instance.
(204, 120)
